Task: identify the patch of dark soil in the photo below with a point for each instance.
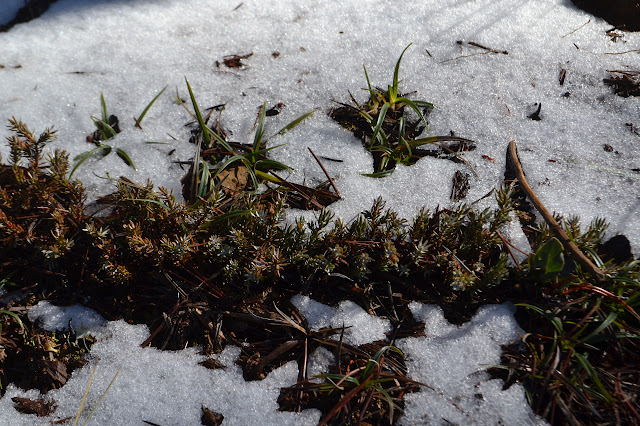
(32, 10)
(624, 14)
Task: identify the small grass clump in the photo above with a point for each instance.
(107, 127)
(215, 157)
(383, 123)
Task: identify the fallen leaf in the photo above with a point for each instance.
(29, 406)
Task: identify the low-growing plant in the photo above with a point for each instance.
(365, 383)
(108, 127)
(580, 355)
(225, 155)
(386, 129)
(40, 209)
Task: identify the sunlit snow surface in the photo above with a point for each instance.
(56, 67)
(169, 388)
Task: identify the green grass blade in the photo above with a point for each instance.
(381, 174)
(205, 180)
(389, 401)
(81, 158)
(144, 112)
(376, 130)
(267, 177)
(125, 157)
(434, 139)
(229, 161)
(414, 106)
(103, 106)
(555, 321)
(584, 362)
(372, 93)
(263, 151)
(366, 116)
(265, 165)
(610, 318)
(376, 358)
(105, 129)
(393, 90)
(257, 138)
(14, 316)
(205, 130)
(295, 122)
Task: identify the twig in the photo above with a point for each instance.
(622, 53)
(473, 43)
(325, 173)
(566, 35)
(464, 56)
(548, 217)
(508, 245)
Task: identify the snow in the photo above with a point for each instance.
(56, 67)
(170, 387)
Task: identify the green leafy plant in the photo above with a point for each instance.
(254, 159)
(367, 380)
(107, 128)
(174, 267)
(582, 340)
(386, 129)
(548, 260)
(34, 229)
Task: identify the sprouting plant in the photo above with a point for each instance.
(254, 159)
(390, 100)
(364, 383)
(144, 112)
(386, 130)
(24, 145)
(107, 127)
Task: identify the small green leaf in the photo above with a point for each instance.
(393, 90)
(594, 377)
(382, 174)
(139, 119)
(549, 258)
(265, 165)
(125, 157)
(103, 104)
(555, 321)
(203, 127)
(257, 139)
(376, 131)
(81, 158)
(295, 122)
